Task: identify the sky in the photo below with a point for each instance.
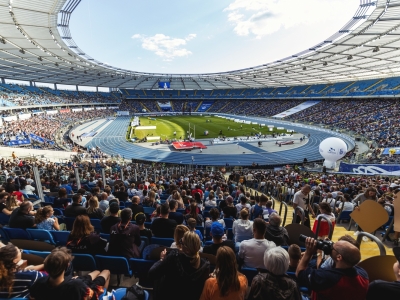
(189, 37)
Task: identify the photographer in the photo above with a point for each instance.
(344, 280)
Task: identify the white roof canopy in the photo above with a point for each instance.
(36, 45)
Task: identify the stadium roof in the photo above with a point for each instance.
(36, 45)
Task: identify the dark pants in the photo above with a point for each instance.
(306, 219)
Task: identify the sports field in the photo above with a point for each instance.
(197, 125)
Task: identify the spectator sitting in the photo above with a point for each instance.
(187, 209)
(177, 216)
(103, 204)
(217, 232)
(59, 286)
(14, 283)
(185, 267)
(243, 203)
(25, 187)
(3, 207)
(21, 217)
(109, 221)
(346, 205)
(226, 282)
(136, 207)
(44, 219)
(82, 192)
(346, 277)
(125, 237)
(76, 208)
(164, 227)
(140, 218)
(61, 201)
(276, 233)
(192, 227)
(326, 211)
(178, 235)
(210, 201)
(274, 284)
(93, 210)
(107, 212)
(252, 251)
(83, 239)
(268, 208)
(242, 228)
(294, 252)
(230, 210)
(12, 203)
(214, 214)
(193, 214)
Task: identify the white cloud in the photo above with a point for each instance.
(165, 46)
(263, 17)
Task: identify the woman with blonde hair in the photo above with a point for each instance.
(44, 219)
(185, 267)
(226, 282)
(177, 196)
(12, 202)
(180, 230)
(93, 210)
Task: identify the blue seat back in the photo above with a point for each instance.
(96, 224)
(105, 236)
(344, 215)
(83, 262)
(148, 210)
(17, 233)
(228, 222)
(60, 237)
(41, 235)
(250, 273)
(115, 264)
(167, 242)
(140, 268)
(119, 293)
(69, 221)
(4, 219)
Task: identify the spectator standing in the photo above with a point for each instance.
(302, 199)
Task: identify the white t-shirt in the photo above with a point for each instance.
(252, 252)
(301, 200)
(243, 230)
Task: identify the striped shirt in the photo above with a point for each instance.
(22, 282)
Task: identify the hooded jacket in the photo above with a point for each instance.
(176, 279)
(124, 240)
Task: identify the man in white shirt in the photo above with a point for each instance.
(251, 252)
(303, 199)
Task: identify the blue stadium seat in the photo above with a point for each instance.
(83, 262)
(120, 293)
(60, 237)
(41, 235)
(17, 233)
(115, 264)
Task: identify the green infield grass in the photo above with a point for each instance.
(198, 125)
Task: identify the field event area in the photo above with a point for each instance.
(198, 126)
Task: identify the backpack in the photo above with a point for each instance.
(134, 293)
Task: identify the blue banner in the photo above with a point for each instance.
(18, 142)
(396, 151)
(40, 139)
(370, 169)
(164, 85)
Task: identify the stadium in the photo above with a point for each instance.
(254, 132)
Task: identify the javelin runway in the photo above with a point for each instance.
(111, 140)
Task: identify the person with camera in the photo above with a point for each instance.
(344, 281)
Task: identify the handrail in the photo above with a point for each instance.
(319, 219)
(361, 234)
(280, 212)
(303, 215)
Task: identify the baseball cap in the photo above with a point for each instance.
(217, 230)
(396, 252)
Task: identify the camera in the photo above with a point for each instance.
(325, 246)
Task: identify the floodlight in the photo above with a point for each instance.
(349, 57)
(22, 51)
(286, 71)
(39, 58)
(304, 68)
(376, 49)
(325, 63)
(3, 41)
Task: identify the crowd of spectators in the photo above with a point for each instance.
(178, 199)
